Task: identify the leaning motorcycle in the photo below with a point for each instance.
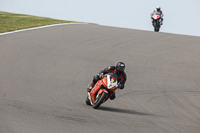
(156, 21)
(102, 90)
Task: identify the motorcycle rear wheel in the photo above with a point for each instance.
(100, 100)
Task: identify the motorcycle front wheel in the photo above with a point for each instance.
(156, 27)
(87, 101)
(99, 100)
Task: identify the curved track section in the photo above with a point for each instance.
(45, 72)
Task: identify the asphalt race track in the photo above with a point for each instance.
(45, 72)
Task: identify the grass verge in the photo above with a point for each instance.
(12, 21)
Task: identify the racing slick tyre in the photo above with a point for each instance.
(87, 101)
(99, 100)
(156, 29)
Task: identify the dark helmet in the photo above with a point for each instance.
(120, 66)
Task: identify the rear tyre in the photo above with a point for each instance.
(99, 100)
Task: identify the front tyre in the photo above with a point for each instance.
(99, 100)
(87, 101)
(156, 26)
(156, 29)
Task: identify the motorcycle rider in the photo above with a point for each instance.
(118, 70)
(159, 12)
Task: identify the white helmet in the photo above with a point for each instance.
(158, 8)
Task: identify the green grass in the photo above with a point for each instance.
(12, 22)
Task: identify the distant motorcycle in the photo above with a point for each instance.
(102, 90)
(156, 21)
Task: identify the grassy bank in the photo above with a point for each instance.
(12, 22)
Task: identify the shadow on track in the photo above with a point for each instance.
(125, 111)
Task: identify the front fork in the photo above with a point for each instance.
(89, 97)
(99, 92)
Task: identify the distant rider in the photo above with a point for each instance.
(158, 11)
(118, 70)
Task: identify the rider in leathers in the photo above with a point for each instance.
(159, 12)
(118, 70)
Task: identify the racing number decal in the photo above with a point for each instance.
(112, 80)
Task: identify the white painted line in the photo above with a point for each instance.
(46, 26)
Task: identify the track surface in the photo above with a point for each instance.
(45, 72)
